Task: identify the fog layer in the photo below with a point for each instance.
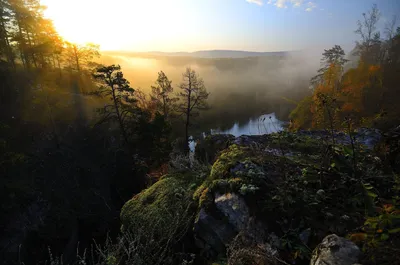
(240, 88)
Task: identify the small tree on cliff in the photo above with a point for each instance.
(112, 83)
(160, 95)
(193, 97)
(332, 67)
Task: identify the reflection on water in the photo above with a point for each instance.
(264, 124)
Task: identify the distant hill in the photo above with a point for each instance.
(232, 54)
(202, 54)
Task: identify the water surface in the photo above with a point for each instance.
(265, 124)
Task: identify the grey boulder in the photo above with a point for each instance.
(335, 250)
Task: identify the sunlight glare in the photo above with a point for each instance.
(118, 24)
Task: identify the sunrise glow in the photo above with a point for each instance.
(116, 25)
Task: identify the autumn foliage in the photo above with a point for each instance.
(365, 92)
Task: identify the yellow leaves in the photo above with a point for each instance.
(356, 92)
(357, 84)
(323, 88)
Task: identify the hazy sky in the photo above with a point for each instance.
(189, 25)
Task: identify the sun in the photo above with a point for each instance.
(114, 25)
(81, 21)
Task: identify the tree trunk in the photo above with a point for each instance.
(53, 60)
(31, 49)
(121, 124)
(331, 125)
(21, 45)
(59, 64)
(187, 149)
(165, 107)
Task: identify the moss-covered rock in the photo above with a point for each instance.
(161, 217)
(245, 170)
(161, 203)
(227, 197)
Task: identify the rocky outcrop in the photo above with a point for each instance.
(363, 136)
(229, 228)
(212, 234)
(234, 208)
(336, 250)
(266, 198)
(215, 229)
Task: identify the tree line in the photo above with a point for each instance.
(29, 41)
(163, 104)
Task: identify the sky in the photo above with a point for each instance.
(192, 25)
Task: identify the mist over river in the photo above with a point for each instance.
(264, 124)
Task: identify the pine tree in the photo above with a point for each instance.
(112, 83)
(193, 97)
(160, 95)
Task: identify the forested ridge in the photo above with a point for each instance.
(96, 171)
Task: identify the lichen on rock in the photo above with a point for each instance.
(335, 250)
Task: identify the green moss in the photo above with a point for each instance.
(242, 169)
(198, 192)
(159, 219)
(206, 199)
(219, 176)
(227, 159)
(159, 204)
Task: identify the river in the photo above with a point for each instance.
(265, 124)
